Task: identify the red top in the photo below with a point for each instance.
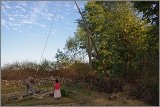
(57, 86)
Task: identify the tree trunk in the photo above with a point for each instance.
(89, 52)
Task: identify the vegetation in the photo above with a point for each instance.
(126, 35)
(75, 94)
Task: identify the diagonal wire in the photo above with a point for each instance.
(47, 39)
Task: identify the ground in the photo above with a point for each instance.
(78, 95)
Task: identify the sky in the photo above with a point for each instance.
(25, 26)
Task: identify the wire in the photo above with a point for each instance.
(47, 40)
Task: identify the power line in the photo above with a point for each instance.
(47, 39)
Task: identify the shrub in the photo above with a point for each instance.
(65, 92)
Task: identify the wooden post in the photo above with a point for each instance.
(89, 52)
(90, 38)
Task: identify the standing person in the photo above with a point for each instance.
(57, 93)
(29, 83)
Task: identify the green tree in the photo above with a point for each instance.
(150, 10)
(62, 59)
(118, 34)
(75, 47)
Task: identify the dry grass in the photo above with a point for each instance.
(45, 101)
(80, 96)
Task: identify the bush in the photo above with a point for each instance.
(65, 92)
(147, 94)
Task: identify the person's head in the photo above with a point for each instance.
(57, 81)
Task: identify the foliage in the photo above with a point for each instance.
(114, 38)
(127, 44)
(64, 92)
(150, 10)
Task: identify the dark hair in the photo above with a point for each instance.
(56, 80)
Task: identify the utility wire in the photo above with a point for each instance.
(47, 39)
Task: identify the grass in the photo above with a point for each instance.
(79, 95)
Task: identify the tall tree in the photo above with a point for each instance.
(116, 31)
(150, 10)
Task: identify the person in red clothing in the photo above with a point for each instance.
(57, 93)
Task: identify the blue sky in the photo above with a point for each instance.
(25, 26)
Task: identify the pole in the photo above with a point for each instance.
(90, 37)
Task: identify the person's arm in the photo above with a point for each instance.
(32, 80)
(51, 83)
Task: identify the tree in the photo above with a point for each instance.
(116, 31)
(75, 47)
(150, 10)
(62, 59)
(127, 43)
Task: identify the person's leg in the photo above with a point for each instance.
(32, 89)
(27, 89)
(55, 94)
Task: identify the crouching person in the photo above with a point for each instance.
(57, 92)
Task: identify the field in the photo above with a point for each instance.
(78, 94)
